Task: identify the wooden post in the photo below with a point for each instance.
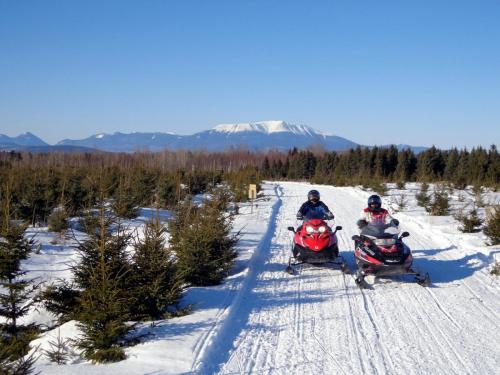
(252, 194)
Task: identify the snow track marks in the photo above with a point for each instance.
(320, 322)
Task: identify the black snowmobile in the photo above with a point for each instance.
(380, 251)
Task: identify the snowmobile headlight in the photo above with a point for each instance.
(322, 229)
(309, 229)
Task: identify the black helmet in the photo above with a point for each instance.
(313, 195)
(374, 202)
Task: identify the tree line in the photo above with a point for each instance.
(362, 166)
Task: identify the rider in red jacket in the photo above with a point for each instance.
(374, 213)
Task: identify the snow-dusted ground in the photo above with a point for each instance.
(262, 320)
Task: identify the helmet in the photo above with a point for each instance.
(313, 195)
(374, 202)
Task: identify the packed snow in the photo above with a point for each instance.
(264, 321)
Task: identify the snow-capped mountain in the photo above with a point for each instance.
(262, 135)
(266, 127)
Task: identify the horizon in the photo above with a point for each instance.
(416, 74)
(98, 135)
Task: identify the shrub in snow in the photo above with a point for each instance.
(495, 269)
(478, 196)
(58, 220)
(59, 350)
(401, 185)
(376, 185)
(440, 204)
(21, 366)
(492, 228)
(202, 241)
(422, 197)
(469, 222)
(154, 277)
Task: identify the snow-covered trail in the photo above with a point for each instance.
(319, 322)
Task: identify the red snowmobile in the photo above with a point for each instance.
(380, 251)
(314, 242)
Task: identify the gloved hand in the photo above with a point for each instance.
(329, 216)
(362, 223)
(395, 222)
(300, 216)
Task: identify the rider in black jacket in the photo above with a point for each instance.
(314, 208)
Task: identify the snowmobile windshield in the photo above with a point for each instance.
(380, 231)
(315, 214)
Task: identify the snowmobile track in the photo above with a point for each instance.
(318, 321)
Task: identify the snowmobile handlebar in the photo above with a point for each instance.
(404, 234)
(360, 237)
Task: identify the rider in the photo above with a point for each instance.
(314, 208)
(374, 214)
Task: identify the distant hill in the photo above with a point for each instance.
(25, 139)
(256, 136)
(263, 135)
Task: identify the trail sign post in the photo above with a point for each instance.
(252, 194)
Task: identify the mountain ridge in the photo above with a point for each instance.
(254, 136)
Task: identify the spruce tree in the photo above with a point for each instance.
(422, 197)
(440, 203)
(16, 298)
(125, 203)
(492, 228)
(202, 241)
(155, 279)
(104, 301)
(469, 221)
(58, 220)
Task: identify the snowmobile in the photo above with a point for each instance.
(314, 242)
(380, 251)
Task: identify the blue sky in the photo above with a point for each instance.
(419, 72)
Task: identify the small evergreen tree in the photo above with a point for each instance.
(156, 282)
(58, 220)
(492, 228)
(422, 197)
(469, 222)
(125, 203)
(495, 269)
(16, 297)
(202, 241)
(440, 205)
(104, 301)
(59, 350)
(478, 195)
(21, 366)
(379, 187)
